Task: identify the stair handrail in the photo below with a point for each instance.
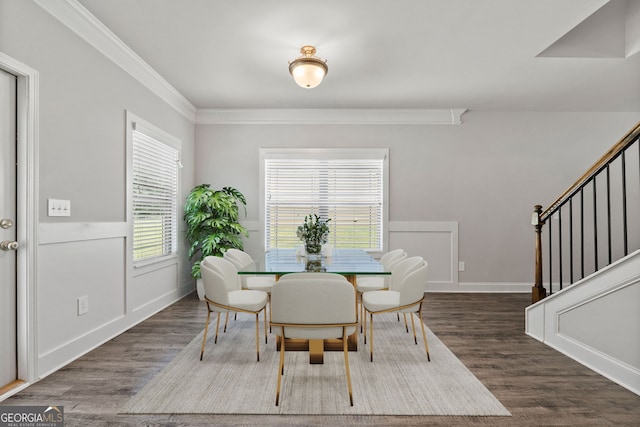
(597, 167)
(540, 216)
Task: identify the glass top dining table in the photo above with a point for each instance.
(347, 262)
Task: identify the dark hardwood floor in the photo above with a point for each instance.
(538, 385)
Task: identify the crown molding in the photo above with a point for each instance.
(319, 116)
(88, 27)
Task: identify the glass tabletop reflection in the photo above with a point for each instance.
(341, 261)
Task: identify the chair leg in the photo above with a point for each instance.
(204, 338)
(269, 301)
(215, 341)
(346, 363)
(406, 325)
(361, 311)
(364, 319)
(371, 336)
(413, 326)
(424, 337)
(265, 325)
(280, 367)
(257, 337)
(227, 322)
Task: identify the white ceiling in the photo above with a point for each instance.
(475, 54)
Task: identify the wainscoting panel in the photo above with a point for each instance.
(437, 243)
(67, 271)
(145, 289)
(89, 260)
(596, 321)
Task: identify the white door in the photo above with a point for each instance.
(8, 280)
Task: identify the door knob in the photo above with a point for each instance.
(7, 245)
(6, 223)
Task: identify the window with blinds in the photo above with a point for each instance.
(154, 196)
(342, 186)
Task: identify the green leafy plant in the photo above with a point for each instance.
(212, 222)
(314, 232)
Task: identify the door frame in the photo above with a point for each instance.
(27, 216)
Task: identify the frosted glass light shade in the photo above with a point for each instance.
(308, 70)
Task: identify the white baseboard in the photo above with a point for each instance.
(78, 347)
(483, 287)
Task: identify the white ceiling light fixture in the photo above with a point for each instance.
(308, 70)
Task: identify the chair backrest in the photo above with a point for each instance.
(242, 261)
(413, 284)
(238, 257)
(390, 265)
(226, 269)
(392, 255)
(305, 275)
(316, 301)
(402, 269)
(215, 286)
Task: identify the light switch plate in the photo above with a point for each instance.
(59, 207)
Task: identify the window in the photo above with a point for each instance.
(153, 193)
(346, 186)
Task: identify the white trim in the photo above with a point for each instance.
(135, 269)
(378, 153)
(495, 287)
(332, 116)
(543, 319)
(77, 231)
(75, 16)
(27, 230)
(446, 227)
(79, 346)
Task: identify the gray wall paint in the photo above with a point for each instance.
(83, 98)
(486, 174)
(82, 157)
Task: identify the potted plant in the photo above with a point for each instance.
(212, 223)
(314, 232)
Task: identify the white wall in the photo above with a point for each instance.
(82, 104)
(484, 175)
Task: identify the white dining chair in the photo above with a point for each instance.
(218, 276)
(406, 295)
(313, 308)
(243, 261)
(378, 283)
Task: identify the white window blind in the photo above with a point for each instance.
(154, 197)
(349, 191)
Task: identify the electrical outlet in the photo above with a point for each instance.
(461, 266)
(83, 305)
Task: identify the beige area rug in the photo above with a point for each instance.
(400, 381)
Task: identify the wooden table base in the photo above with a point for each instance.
(316, 348)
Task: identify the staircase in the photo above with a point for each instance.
(586, 299)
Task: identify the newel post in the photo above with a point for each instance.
(538, 291)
